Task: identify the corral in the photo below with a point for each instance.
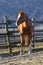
(9, 35)
(11, 40)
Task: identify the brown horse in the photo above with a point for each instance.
(25, 28)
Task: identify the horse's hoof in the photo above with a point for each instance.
(20, 53)
(29, 53)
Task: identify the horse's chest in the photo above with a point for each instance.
(24, 25)
(23, 28)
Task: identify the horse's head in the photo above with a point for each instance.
(20, 18)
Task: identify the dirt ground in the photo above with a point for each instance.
(35, 58)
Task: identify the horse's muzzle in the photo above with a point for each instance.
(16, 23)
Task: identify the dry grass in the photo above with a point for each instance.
(17, 49)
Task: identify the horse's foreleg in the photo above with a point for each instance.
(22, 45)
(30, 47)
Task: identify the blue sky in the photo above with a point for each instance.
(33, 8)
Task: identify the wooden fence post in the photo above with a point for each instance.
(33, 19)
(8, 39)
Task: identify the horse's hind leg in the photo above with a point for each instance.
(22, 50)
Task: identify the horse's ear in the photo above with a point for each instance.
(20, 11)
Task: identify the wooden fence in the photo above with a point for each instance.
(9, 32)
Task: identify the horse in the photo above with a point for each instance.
(25, 28)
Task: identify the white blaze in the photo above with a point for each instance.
(18, 19)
